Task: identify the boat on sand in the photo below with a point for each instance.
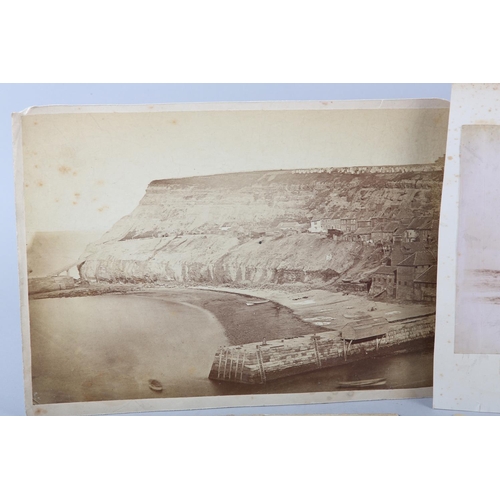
(257, 302)
(374, 382)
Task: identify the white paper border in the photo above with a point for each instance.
(461, 381)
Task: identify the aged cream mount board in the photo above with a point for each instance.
(467, 355)
(216, 255)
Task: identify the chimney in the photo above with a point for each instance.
(396, 254)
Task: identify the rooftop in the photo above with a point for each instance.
(390, 227)
(410, 247)
(288, 224)
(420, 258)
(420, 223)
(385, 270)
(429, 276)
(363, 230)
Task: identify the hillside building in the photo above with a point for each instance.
(412, 278)
(377, 233)
(364, 223)
(289, 225)
(388, 230)
(408, 270)
(375, 221)
(384, 282)
(362, 234)
(348, 224)
(418, 229)
(430, 233)
(322, 225)
(335, 234)
(426, 285)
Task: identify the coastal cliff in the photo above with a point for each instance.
(252, 228)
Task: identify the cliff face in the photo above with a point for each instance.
(226, 228)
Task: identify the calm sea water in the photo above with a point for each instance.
(109, 347)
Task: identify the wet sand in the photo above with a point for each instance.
(242, 323)
(332, 310)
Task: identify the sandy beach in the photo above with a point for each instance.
(332, 310)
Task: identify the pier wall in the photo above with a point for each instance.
(258, 363)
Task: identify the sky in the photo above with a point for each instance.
(85, 170)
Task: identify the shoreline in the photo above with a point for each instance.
(242, 323)
(317, 309)
(331, 309)
(289, 315)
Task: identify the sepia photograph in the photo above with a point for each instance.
(467, 346)
(183, 256)
(478, 260)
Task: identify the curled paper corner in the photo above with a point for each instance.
(25, 112)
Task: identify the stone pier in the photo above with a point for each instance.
(260, 362)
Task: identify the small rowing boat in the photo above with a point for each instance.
(257, 302)
(374, 382)
(154, 385)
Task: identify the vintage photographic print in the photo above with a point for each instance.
(466, 361)
(478, 260)
(189, 256)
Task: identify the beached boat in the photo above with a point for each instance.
(375, 382)
(257, 302)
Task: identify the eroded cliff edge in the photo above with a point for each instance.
(252, 228)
